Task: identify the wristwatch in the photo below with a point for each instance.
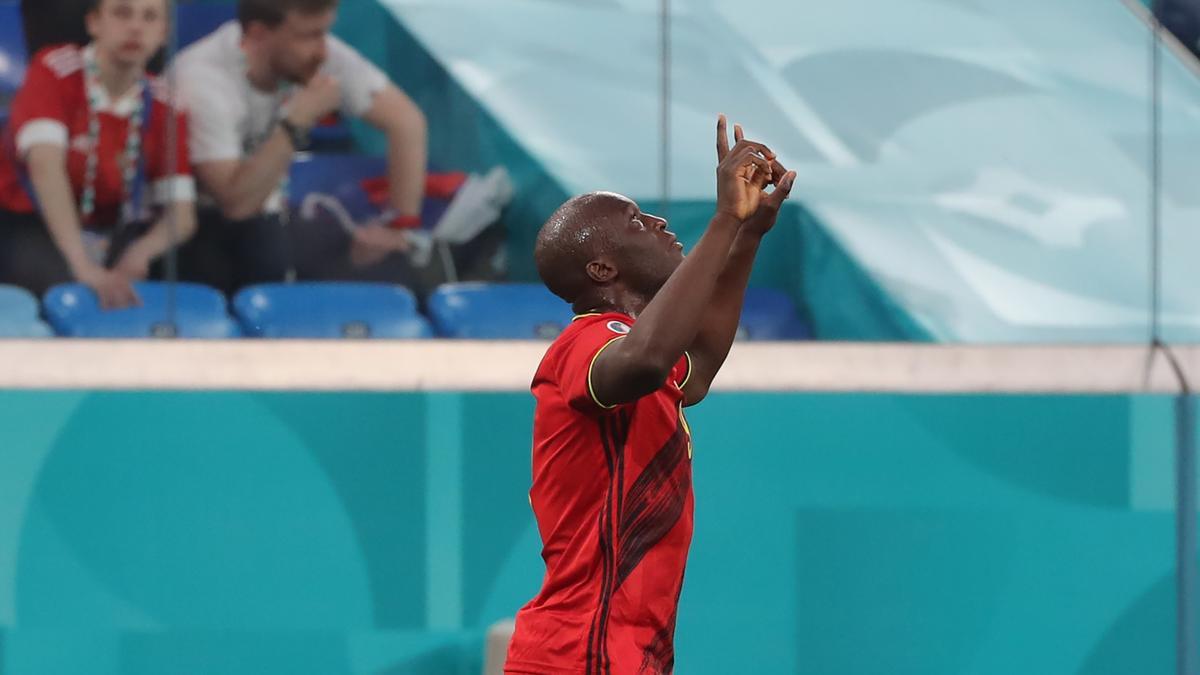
(296, 134)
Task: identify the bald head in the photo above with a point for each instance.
(578, 232)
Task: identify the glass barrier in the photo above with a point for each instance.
(968, 171)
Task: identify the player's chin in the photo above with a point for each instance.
(133, 58)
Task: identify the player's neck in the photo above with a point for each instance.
(624, 302)
(117, 78)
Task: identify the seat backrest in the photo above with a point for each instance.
(196, 20)
(12, 50)
(498, 312)
(199, 312)
(19, 314)
(330, 310)
(340, 176)
(769, 314)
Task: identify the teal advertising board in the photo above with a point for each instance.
(148, 533)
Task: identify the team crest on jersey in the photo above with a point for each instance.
(618, 328)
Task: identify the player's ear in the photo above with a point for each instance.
(601, 271)
(256, 31)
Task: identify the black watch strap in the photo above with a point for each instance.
(298, 136)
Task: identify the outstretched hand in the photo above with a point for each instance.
(742, 172)
(754, 180)
(767, 212)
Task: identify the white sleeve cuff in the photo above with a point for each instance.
(175, 189)
(41, 131)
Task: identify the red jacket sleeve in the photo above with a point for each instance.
(39, 111)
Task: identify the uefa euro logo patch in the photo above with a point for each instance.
(618, 328)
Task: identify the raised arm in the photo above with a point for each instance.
(720, 323)
(638, 364)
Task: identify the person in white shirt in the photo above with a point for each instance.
(255, 89)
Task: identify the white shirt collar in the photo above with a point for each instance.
(122, 107)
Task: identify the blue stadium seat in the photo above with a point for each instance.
(332, 137)
(330, 310)
(498, 311)
(338, 175)
(12, 50)
(341, 176)
(200, 312)
(197, 19)
(19, 314)
(769, 314)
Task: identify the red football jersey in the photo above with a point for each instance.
(52, 107)
(612, 494)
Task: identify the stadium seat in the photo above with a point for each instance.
(332, 135)
(19, 314)
(769, 314)
(12, 50)
(200, 312)
(330, 310)
(197, 19)
(341, 176)
(498, 311)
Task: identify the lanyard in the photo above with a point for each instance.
(132, 160)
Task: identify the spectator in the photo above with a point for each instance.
(256, 88)
(89, 189)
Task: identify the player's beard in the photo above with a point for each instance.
(299, 75)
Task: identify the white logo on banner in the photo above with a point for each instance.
(1052, 216)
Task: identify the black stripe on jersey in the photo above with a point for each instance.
(619, 427)
(656, 500)
(596, 651)
(659, 655)
(614, 433)
(620, 438)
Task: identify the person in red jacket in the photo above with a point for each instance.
(95, 183)
(612, 451)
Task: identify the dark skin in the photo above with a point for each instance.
(681, 304)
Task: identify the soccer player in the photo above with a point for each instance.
(612, 452)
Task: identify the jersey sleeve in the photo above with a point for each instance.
(172, 183)
(39, 112)
(214, 113)
(575, 363)
(360, 79)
